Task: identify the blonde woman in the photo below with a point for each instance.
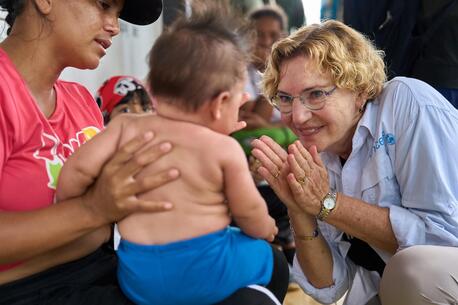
(373, 172)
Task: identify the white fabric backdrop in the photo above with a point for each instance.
(127, 55)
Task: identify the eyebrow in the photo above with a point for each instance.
(305, 89)
(118, 3)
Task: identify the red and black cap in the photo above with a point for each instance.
(114, 90)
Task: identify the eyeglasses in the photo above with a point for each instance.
(312, 100)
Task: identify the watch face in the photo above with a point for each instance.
(329, 203)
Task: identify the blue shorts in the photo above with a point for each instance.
(198, 271)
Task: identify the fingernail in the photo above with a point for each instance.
(168, 205)
(165, 146)
(148, 135)
(173, 173)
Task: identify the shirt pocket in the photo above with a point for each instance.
(378, 182)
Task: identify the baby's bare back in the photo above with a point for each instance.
(197, 196)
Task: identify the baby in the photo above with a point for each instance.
(190, 254)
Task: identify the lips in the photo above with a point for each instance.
(105, 43)
(309, 131)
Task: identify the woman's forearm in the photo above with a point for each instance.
(24, 235)
(367, 222)
(313, 254)
(66, 253)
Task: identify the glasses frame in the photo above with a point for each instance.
(303, 100)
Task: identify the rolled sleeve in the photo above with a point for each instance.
(407, 227)
(417, 227)
(329, 294)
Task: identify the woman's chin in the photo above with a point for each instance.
(309, 144)
(92, 65)
(88, 64)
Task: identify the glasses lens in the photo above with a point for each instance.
(314, 100)
(283, 102)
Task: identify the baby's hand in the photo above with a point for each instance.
(273, 232)
(239, 125)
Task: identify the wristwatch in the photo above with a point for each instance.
(328, 203)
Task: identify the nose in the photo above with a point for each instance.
(300, 114)
(112, 25)
(264, 41)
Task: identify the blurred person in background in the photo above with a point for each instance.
(270, 24)
(122, 94)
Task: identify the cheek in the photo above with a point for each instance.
(286, 119)
(234, 115)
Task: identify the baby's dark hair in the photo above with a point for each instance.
(14, 8)
(197, 58)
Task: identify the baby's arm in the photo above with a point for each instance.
(83, 167)
(247, 206)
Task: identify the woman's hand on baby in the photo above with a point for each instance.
(114, 195)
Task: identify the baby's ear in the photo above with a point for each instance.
(218, 103)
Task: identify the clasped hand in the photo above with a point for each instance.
(297, 176)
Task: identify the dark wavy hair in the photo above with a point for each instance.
(14, 8)
(197, 58)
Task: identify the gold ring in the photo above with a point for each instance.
(256, 163)
(301, 180)
(276, 175)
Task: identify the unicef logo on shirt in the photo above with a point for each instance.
(385, 139)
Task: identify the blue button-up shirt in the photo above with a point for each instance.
(404, 157)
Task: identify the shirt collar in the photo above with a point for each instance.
(369, 118)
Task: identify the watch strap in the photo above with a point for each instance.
(324, 212)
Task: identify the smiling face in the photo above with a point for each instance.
(83, 30)
(330, 128)
(269, 30)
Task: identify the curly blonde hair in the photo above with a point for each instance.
(349, 57)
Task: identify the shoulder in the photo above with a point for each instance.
(75, 98)
(231, 150)
(11, 83)
(133, 125)
(407, 97)
(73, 89)
(133, 122)
(77, 94)
(411, 91)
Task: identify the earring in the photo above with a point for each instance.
(361, 109)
